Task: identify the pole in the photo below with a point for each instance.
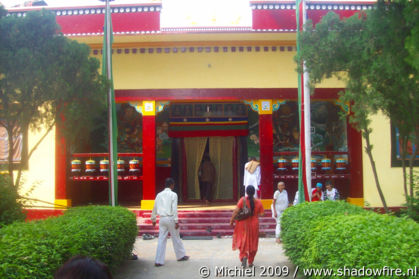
(110, 95)
(307, 116)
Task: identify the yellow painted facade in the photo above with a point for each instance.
(39, 179)
(391, 179)
(214, 70)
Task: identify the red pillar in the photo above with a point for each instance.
(356, 190)
(61, 195)
(149, 155)
(266, 156)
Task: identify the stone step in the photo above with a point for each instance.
(209, 226)
(217, 232)
(203, 223)
(203, 220)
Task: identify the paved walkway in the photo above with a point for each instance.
(206, 256)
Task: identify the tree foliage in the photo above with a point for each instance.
(372, 53)
(46, 79)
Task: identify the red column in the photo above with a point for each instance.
(266, 155)
(356, 189)
(61, 196)
(149, 161)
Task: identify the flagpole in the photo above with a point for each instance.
(112, 163)
(307, 115)
(304, 166)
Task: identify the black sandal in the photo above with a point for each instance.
(244, 262)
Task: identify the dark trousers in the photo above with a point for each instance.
(206, 189)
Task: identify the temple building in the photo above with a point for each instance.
(222, 87)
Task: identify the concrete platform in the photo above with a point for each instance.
(211, 254)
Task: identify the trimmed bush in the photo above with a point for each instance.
(37, 249)
(10, 207)
(297, 223)
(335, 235)
(363, 241)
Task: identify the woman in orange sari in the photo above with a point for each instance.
(246, 232)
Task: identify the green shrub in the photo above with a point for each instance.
(363, 241)
(37, 249)
(298, 221)
(10, 207)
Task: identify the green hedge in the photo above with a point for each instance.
(11, 209)
(37, 249)
(297, 223)
(336, 235)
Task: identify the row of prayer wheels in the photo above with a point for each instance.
(324, 164)
(91, 167)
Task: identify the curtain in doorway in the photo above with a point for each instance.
(221, 153)
(194, 149)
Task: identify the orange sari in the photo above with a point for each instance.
(246, 232)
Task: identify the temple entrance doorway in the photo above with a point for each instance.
(221, 152)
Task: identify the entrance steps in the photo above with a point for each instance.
(203, 223)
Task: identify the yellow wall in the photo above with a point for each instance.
(391, 179)
(41, 169)
(207, 70)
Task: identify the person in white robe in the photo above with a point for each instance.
(280, 203)
(165, 206)
(252, 175)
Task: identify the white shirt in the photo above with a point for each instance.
(295, 199)
(281, 200)
(331, 195)
(165, 205)
(252, 178)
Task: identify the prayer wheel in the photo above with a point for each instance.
(341, 164)
(90, 166)
(282, 164)
(120, 166)
(294, 163)
(326, 164)
(313, 164)
(75, 166)
(134, 166)
(104, 166)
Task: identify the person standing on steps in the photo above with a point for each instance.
(206, 175)
(165, 206)
(252, 175)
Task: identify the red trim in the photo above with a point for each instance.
(273, 19)
(226, 133)
(266, 155)
(149, 157)
(105, 178)
(88, 155)
(127, 95)
(60, 163)
(225, 123)
(121, 22)
(37, 214)
(317, 15)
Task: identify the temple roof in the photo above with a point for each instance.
(145, 18)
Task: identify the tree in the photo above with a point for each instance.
(45, 80)
(370, 53)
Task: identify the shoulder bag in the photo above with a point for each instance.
(244, 212)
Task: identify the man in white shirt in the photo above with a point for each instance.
(165, 206)
(252, 175)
